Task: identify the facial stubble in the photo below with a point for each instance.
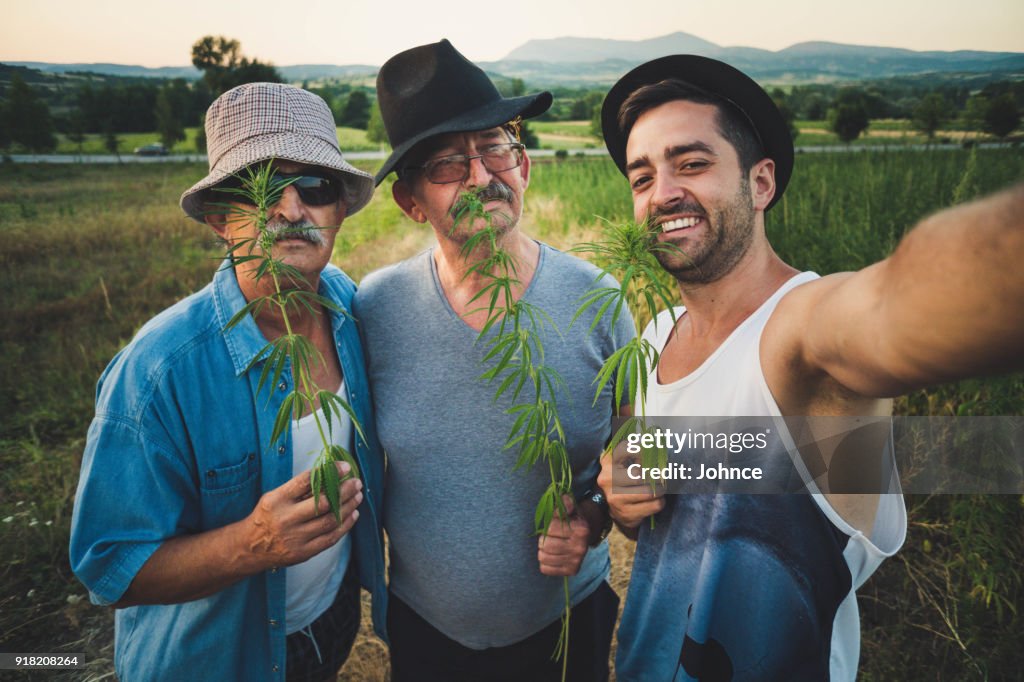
(730, 231)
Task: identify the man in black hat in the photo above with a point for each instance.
(468, 599)
(761, 587)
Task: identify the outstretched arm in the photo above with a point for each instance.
(947, 304)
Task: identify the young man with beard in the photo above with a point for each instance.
(474, 595)
(188, 520)
(761, 587)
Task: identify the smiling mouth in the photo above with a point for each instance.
(679, 224)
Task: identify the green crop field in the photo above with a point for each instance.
(352, 139)
(892, 132)
(89, 253)
(557, 135)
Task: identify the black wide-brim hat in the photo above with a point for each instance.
(717, 78)
(432, 89)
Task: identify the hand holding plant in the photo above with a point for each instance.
(627, 253)
(290, 295)
(515, 353)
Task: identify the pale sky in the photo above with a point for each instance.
(161, 32)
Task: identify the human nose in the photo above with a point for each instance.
(478, 175)
(289, 206)
(666, 193)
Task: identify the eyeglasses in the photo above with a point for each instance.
(315, 189)
(455, 168)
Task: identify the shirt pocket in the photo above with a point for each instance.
(230, 493)
(231, 479)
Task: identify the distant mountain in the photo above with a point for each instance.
(596, 62)
(312, 72)
(598, 49)
(299, 72)
(188, 72)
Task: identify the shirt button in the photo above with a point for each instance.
(280, 449)
(282, 385)
(274, 668)
(274, 569)
(273, 623)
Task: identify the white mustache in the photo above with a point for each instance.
(303, 229)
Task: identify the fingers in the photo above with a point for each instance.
(299, 488)
(561, 557)
(560, 570)
(553, 548)
(637, 492)
(314, 514)
(561, 550)
(329, 539)
(631, 514)
(572, 525)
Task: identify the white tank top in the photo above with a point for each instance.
(731, 383)
(312, 585)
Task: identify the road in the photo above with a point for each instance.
(538, 153)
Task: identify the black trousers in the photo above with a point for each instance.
(319, 658)
(421, 653)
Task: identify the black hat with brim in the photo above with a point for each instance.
(717, 78)
(432, 90)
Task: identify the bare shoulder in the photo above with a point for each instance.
(790, 360)
(785, 334)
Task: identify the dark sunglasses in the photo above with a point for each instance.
(315, 189)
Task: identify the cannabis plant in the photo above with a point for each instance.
(255, 191)
(514, 356)
(627, 252)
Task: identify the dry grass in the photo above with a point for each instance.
(91, 253)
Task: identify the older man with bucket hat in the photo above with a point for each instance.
(473, 597)
(188, 520)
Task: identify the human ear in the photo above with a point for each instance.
(403, 196)
(762, 183)
(524, 170)
(218, 222)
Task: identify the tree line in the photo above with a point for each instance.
(33, 110)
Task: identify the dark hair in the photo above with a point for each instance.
(733, 124)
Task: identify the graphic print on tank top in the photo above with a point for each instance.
(755, 581)
(745, 586)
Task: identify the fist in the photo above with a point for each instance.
(288, 527)
(629, 501)
(561, 550)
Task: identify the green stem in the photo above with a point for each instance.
(566, 616)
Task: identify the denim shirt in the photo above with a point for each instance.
(180, 444)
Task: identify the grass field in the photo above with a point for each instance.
(559, 135)
(352, 139)
(90, 253)
(577, 135)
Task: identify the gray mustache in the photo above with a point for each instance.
(303, 229)
(496, 191)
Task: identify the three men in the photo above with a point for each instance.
(188, 520)
(467, 597)
(762, 586)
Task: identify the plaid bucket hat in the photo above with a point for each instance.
(261, 121)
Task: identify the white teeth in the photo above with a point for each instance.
(679, 224)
